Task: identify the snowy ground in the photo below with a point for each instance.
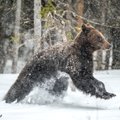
(75, 106)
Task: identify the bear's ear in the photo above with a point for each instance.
(85, 28)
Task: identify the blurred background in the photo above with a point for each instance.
(28, 26)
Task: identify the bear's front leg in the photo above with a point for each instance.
(100, 90)
(81, 73)
(91, 86)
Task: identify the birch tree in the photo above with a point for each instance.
(2, 41)
(16, 37)
(37, 26)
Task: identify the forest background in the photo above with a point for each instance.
(28, 26)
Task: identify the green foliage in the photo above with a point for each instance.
(69, 36)
(15, 39)
(49, 7)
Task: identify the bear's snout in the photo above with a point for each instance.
(107, 45)
(110, 46)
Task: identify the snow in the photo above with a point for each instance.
(75, 105)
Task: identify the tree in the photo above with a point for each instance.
(37, 26)
(16, 37)
(7, 18)
(115, 33)
(114, 22)
(2, 41)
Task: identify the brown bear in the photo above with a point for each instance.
(74, 58)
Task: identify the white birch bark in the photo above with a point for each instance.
(37, 26)
(16, 36)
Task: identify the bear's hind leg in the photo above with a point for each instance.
(60, 86)
(18, 91)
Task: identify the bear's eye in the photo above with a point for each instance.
(99, 38)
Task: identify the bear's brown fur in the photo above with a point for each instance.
(74, 58)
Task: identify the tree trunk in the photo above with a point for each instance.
(99, 60)
(78, 6)
(37, 26)
(2, 54)
(2, 43)
(107, 60)
(16, 37)
(113, 19)
(116, 48)
(3, 22)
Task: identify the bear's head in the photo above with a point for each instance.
(92, 38)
